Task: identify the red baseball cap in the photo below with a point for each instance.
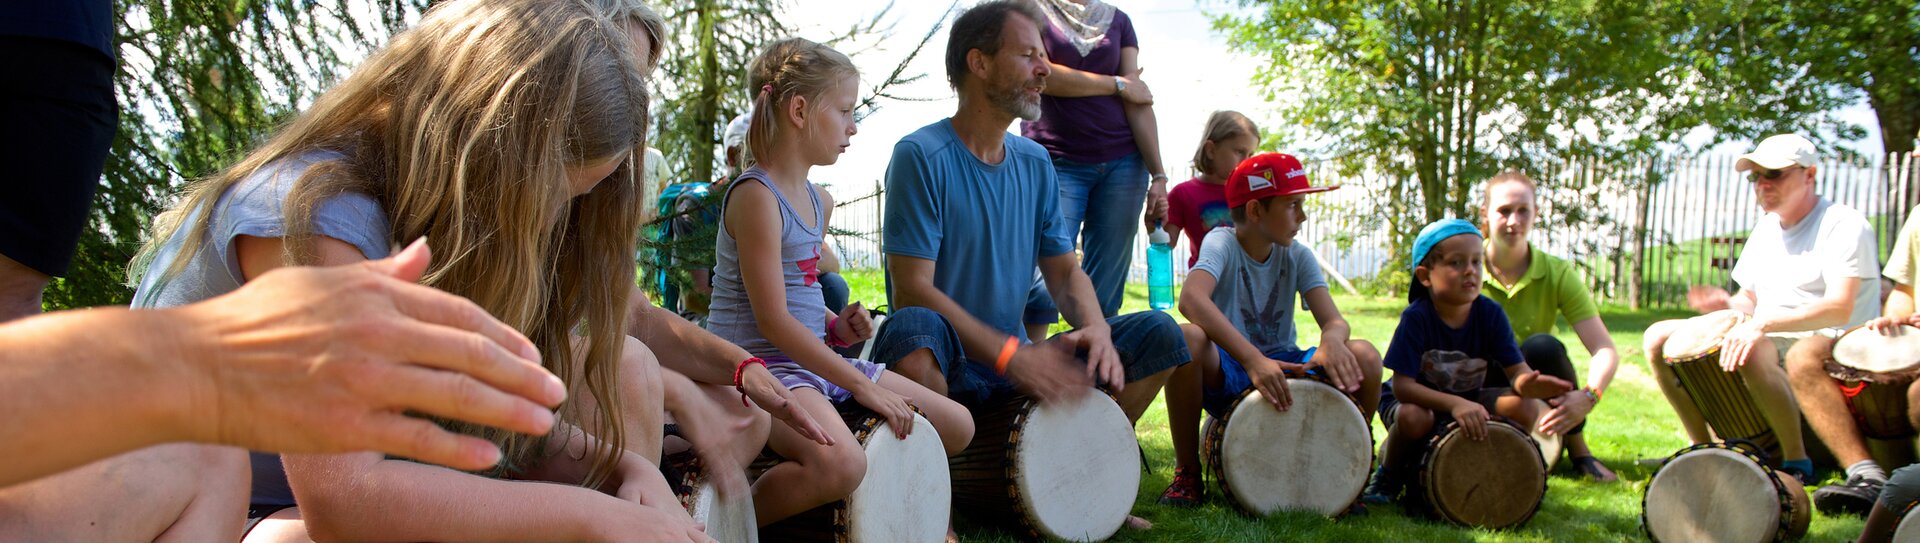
(1269, 174)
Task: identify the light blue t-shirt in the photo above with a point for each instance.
(252, 207)
(1257, 297)
(985, 226)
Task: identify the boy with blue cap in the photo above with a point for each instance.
(1240, 296)
(1448, 337)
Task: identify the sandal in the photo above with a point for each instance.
(1593, 469)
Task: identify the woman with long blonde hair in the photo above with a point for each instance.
(505, 132)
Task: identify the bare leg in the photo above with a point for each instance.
(1138, 396)
(1370, 373)
(1411, 424)
(20, 289)
(1768, 384)
(1683, 406)
(920, 367)
(1820, 400)
(1037, 332)
(174, 492)
(1185, 395)
(953, 421)
(814, 474)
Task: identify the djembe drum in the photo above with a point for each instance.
(1873, 371)
(1693, 353)
(1315, 456)
(1493, 483)
(1723, 492)
(1067, 470)
(905, 496)
(729, 519)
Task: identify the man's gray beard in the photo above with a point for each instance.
(1010, 102)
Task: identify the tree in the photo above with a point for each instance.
(198, 83)
(1436, 95)
(1847, 49)
(703, 85)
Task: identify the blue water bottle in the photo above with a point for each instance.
(1160, 270)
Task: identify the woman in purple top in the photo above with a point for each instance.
(1097, 123)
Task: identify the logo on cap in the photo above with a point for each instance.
(1260, 182)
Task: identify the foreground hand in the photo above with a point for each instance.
(1740, 343)
(766, 391)
(1569, 410)
(1270, 378)
(324, 360)
(1892, 325)
(1048, 371)
(854, 325)
(1340, 363)
(1540, 386)
(1103, 361)
(1472, 418)
(655, 514)
(896, 408)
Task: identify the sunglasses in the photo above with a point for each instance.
(1769, 175)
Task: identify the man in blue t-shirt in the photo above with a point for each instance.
(970, 210)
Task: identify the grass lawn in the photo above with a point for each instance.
(1633, 423)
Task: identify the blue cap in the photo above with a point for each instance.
(1430, 236)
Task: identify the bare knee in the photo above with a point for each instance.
(1369, 358)
(921, 367)
(839, 468)
(1412, 421)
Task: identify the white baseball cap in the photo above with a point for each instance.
(1778, 152)
(736, 134)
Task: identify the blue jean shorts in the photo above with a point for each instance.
(1234, 380)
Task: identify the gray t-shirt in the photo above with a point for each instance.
(252, 208)
(1257, 297)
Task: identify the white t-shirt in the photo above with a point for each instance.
(1788, 269)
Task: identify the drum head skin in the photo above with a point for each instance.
(1081, 468)
(1866, 350)
(1715, 494)
(1549, 444)
(1909, 530)
(1496, 483)
(906, 495)
(1701, 335)
(1313, 457)
(728, 519)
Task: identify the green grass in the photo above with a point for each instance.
(1634, 422)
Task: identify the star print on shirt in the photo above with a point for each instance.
(810, 268)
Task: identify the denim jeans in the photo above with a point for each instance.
(1101, 205)
(1149, 342)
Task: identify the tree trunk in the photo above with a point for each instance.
(706, 111)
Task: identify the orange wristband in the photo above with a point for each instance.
(1006, 355)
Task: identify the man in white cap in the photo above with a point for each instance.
(1808, 270)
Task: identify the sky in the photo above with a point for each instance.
(1189, 67)
(1190, 71)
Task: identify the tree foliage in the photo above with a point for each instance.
(1432, 96)
(198, 83)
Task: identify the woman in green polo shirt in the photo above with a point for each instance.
(1536, 289)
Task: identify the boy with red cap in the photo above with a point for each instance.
(1240, 296)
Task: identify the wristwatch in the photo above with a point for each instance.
(1119, 85)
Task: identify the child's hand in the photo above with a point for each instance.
(896, 408)
(1540, 386)
(1473, 418)
(766, 391)
(854, 324)
(1341, 366)
(1270, 378)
